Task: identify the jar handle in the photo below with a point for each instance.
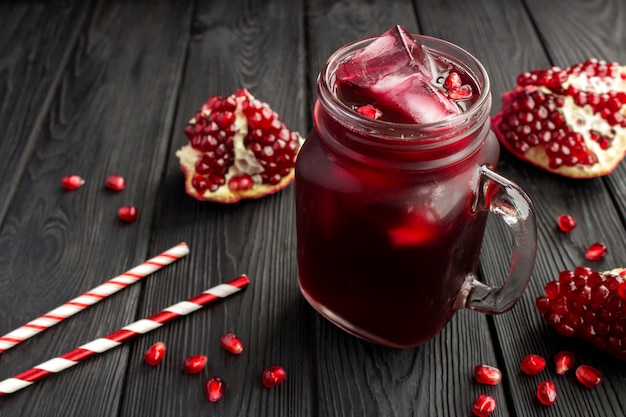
(506, 199)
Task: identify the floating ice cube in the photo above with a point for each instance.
(395, 74)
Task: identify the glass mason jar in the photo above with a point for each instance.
(391, 216)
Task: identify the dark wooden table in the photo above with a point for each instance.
(97, 87)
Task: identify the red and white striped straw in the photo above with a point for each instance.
(91, 297)
(116, 338)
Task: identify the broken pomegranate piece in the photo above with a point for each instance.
(590, 305)
(238, 148)
(569, 121)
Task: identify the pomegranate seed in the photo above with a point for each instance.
(533, 364)
(596, 251)
(452, 81)
(128, 213)
(588, 376)
(546, 393)
(155, 354)
(115, 182)
(487, 375)
(72, 182)
(194, 364)
(274, 375)
(484, 406)
(240, 183)
(462, 93)
(214, 388)
(566, 223)
(564, 362)
(370, 111)
(231, 342)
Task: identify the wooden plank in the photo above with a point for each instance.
(35, 44)
(522, 331)
(356, 378)
(598, 29)
(112, 113)
(259, 46)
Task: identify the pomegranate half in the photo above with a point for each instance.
(568, 121)
(238, 148)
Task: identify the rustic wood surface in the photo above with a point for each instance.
(97, 87)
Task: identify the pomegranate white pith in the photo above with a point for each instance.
(568, 121)
(239, 148)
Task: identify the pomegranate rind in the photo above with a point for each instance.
(188, 157)
(580, 118)
(244, 161)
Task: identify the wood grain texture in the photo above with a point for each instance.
(107, 86)
(522, 330)
(112, 113)
(36, 40)
(261, 47)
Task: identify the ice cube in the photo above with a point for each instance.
(394, 52)
(417, 99)
(395, 74)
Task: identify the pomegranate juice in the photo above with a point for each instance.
(385, 194)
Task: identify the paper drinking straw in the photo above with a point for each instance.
(91, 297)
(116, 338)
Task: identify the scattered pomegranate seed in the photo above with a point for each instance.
(115, 182)
(155, 354)
(214, 388)
(533, 364)
(596, 251)
(128, 213)
(370, 111)
(566, 223)
(564, 362)
(588, 376)
(546, 393)
(72, 182)
(231, 342)
(484, 406)
(274, 375)
(261, 143)
(194, 364)
(487, 375)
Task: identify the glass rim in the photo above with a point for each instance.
(462, 58)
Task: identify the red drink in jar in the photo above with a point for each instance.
(393, 187)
